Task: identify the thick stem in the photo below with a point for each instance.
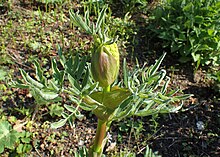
(107, 89)
(98, 145)
(100, 136)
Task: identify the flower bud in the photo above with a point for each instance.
(105, 64)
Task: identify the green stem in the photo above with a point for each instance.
(97, 148)
(99, 137)
(107, 89)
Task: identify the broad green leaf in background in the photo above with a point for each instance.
(3, 73)
(8, 136)
(55, 109)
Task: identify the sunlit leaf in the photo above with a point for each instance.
(58, 124)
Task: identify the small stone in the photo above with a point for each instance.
(81, 143)
(200, 125)
(111, 147)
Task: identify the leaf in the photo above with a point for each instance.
(124, 109)
(74, 66)
(8, 136)
(29, 80)
(39, 73)
(62, 58)
(111, 99)
(150, 153)
(78, 21)
(47, 95)
(86, 107)
(100, 19)
(74, 84)
(58, 124)
(157, 65)
(81, 68)
(92, 102)
(14, 84)
(70, 108)
(3, 73)
(53, 85)
(58, 75)
(74, 99)
(199, 19)
(86, 78)
(125, 73)
(90, 89)
(79, 115)
(55, 109)
(182, 97)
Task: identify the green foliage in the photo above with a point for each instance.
(150, 153)
(3, 73)
(8, 136)
(50, 1)
(16, 142)
(189, 28)
(43, 90)
(24, 145)
(56, 110)
(145, 91)
(142, 91)
(2, 2)
(149, 94)
(125, 28)
(132, 6)
(215, 75)
(82, 152)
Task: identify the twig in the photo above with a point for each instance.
(38, 152)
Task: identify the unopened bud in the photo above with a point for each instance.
(105, 64)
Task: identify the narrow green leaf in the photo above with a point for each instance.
(78, 21)
(65, 115)
(100, 19)
(172, 92)
(74, 99)
(125, 74)
(86, 78)
(14, 84)
(124, 108)
(62, 58)
(58, 75)
(182, 97)
(39, 73)
(86, 18)
(53, 85)
(81, 68)
(87, 107)
(74, 83)
(75, 64)
(70, 108)
(78, 115)
(58, 124)
(33, 82)
(47, 95)
(163, 97)
(157, 64)
(164, 88)
(90, 89)
(74, 91)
